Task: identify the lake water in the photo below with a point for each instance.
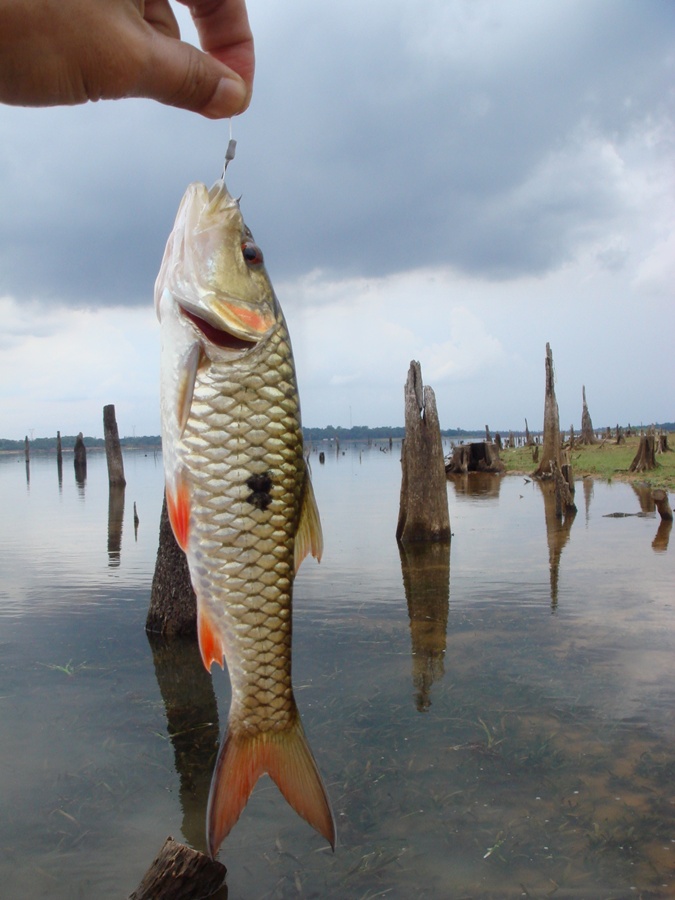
(495, 721)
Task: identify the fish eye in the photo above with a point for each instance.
(252, 253)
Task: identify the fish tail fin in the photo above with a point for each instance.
(286, 757)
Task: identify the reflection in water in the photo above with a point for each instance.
(27, 473)
(115, 523)
(643, 492)
(477, 484)
(660, 542)
(80, 478)
(557, 534)
(426, 581)
(587, 483)
(192, 723)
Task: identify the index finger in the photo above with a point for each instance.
(225, 33)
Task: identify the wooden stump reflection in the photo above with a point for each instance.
(426, 581)
(115, 524)
(557, 534)
(192, 723)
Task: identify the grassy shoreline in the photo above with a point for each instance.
(606, 460)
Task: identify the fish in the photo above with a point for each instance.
(239, 495)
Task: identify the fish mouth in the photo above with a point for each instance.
(218, 336)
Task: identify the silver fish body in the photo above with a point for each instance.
(238, 493)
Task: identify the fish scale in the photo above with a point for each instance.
(238, 494)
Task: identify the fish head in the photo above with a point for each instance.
(214, 272)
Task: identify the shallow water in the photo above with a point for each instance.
(494, 721)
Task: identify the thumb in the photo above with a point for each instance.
(178, 74)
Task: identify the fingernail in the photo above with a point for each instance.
(228, 99)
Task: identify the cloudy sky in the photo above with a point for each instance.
(458, 181)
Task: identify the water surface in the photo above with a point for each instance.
(493, 720)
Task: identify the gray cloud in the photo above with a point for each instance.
(384, 139)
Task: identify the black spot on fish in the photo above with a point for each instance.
(260, 485)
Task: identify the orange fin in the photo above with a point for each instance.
(210, 641)
(286, 756)
(309, 537)
(178, 508)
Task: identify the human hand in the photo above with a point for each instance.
(55, 52)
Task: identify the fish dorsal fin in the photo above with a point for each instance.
(309, 538)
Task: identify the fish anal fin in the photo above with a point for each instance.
(309, 537)
(210, 642)
(286, 756)
(178, 509)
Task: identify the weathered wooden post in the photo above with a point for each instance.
(26, 449)
(80, 460)
(173, 605)
(423, 511)
(113, 450)
(587, 433)
(550, 451)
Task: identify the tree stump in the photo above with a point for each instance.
(423, 511)
(179, 873)
(478, 457)
(660, 498)
(587, 433)
(528, 436)
(173, 605)
(113, 450)
(564, 499)
(645, 458)
(80, 460)
(550, 451)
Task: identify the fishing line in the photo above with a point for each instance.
(231, 148)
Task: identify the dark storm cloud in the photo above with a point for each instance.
(379, 139)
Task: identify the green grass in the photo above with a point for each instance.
(603, 460)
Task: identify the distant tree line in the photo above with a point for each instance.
(366, 433)
(68, 442)
(355, 433)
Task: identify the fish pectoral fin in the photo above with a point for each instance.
(286, 757)
(178, 508)
(309, 537)
(210, 641)
(186, 387)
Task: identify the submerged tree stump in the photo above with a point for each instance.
(550, 451)
(80, 459)
(660, 498)
(645, 458)
(173, 605)
(113, 450)
(423, 511)
(179, 873)
(479, 457)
